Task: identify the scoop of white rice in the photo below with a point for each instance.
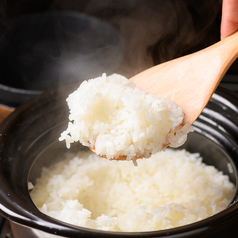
(119, 120)
(172, 188)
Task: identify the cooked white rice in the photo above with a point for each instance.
(119, 120)
(171, 189)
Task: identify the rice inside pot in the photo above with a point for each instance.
(172, 188)
(109, 114)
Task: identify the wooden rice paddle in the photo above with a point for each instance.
(190, 81)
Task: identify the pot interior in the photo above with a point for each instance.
(29, 137)
(211, 153)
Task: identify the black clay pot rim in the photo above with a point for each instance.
(29, 215)
(14, 94)
(19, 90)
(13, 97)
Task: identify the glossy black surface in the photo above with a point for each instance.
(42, 51)
(47, 43)
(33, 131)
(29, 60)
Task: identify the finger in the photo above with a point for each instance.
(229, 22)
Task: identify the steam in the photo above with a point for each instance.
(152, 31)
(43, 51)
(156, 31)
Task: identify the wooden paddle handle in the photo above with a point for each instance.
(5, 111)
(190, 80)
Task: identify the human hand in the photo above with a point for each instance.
(229, 21)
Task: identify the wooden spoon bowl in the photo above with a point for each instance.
(189, 81)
